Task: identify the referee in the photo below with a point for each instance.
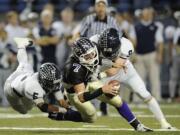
(99, 21)
(95, 24)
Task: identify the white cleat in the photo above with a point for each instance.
(23, 42)
(167, 126)
(142, 128)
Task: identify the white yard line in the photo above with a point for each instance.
(72, 129)
(94, 126)
(139, 106)
(145, 116)
(13, 116)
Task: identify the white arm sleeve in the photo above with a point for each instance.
(95, 38)
(59, 95)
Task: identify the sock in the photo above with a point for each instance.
(135, 123)
(155, 109)
(126, 113)
(103, 108)
(70, 115)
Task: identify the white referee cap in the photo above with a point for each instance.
(104, 1)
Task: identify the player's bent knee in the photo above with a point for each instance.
(145, 95)
(20, 109)
(90, 118)
(23, 111)
(148, 99)
(115, 101)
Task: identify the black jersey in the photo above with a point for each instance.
(74, 73)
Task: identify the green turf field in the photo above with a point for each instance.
(36, 123)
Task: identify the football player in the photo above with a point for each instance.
(78, 72)
(23, 88)
(116, 51)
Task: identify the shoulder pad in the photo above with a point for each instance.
(126, 48)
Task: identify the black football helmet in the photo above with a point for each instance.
(49, 77)
(109, 43)
(86, 52)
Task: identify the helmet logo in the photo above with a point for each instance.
(112, 38)
(108, 49)
(130, 52)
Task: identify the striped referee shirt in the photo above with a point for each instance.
(91, 25)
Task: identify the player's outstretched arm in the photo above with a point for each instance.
(86, 96)
(45, 107)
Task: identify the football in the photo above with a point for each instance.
(116, 85)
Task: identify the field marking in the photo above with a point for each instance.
(94, 126)
(142, 106)
(138, 106)
(26, 116)
(12, 116)
(75, 129)
(145, 115)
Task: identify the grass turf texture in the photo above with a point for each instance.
(35, 123)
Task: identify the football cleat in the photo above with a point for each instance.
(23, 42)
(142, 128)
(167, 126)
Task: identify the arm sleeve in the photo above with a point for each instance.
(92, 95)
(59, 94)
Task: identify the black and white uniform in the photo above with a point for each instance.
(91, 25)
(131, 78)
(22, 89)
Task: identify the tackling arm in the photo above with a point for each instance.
(86, 96)
(44, 107)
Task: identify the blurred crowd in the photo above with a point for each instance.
(55, 24)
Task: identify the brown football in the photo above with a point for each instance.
(116, 84)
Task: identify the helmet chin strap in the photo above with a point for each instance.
(90, 67)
